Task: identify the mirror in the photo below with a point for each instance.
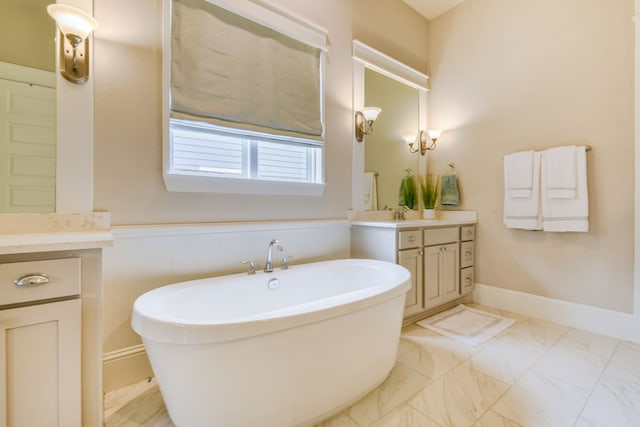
(401, 93)
(28, 107)
(386, 154)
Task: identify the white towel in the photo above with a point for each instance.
(523, 212)
(370, 196)
(561, 172)
(519, 167)
(566, 214)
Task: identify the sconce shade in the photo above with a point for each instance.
(434, 134)
(371, 113)
(71, 20)
(411, 140)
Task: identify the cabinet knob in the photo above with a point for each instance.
(468, 254)
(443, 249)
(469, 232)
(467, 280)
(33, 279)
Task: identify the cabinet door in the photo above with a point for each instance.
(40, 365)
(441, 274)
(432, 290)
(450, 271)
(412, 260)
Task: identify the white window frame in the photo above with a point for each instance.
(185, 181)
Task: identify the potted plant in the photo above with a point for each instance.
(429, 190)
(408, 192)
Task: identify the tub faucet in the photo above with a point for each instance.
(268, 267)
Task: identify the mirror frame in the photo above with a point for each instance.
(365, 56)
(74, 134)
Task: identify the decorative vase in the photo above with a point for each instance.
(429, 214)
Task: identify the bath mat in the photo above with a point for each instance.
(467, 324)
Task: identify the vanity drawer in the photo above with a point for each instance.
(63, 275)
(466, 254)
(466, 280)
(467, 232)
(438, 236)
(409, 239)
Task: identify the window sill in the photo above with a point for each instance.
(180, 182)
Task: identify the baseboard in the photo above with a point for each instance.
(124, 367)
(624, 326)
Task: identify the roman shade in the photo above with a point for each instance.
(234, 72)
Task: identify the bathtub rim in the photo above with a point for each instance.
(160, 330)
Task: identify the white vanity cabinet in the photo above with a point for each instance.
(40, 343)
(439, 255)
(51, 327)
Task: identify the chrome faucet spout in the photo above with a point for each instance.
(268, 267)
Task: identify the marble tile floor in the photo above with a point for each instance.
(534, 374)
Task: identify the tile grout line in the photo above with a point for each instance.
(597, 382)
(510, 386)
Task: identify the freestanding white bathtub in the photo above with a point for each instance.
(288, 348)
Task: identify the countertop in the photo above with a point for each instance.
(445, 218)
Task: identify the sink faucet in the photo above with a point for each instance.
(399, 213)
(268, 267)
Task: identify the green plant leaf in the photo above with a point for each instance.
(429, 189)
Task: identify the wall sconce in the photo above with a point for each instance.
(364, 121)
(421, 139)
(76, 26)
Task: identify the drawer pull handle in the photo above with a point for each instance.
(412, 238)
(467, 254)
(33, 280)
(469, 232)
(467, 279)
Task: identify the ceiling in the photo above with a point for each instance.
(432, 8)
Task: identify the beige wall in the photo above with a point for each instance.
(128, 139)
(511, 75)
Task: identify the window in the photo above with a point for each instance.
(245, 104)
(207, 149)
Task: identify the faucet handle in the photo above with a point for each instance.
(285, 262)
(252, 267)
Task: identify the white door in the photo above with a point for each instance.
(27, 147)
